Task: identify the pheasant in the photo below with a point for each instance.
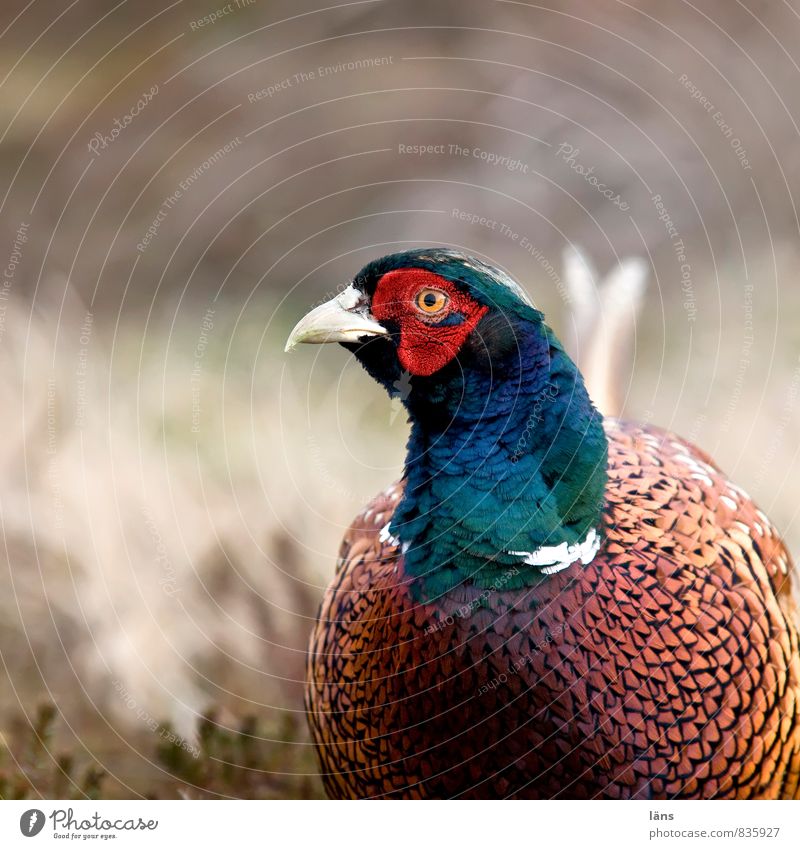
(548, 604)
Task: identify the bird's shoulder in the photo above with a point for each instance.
(367, 541)
(667, 499)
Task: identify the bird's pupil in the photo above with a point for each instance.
(429, 299)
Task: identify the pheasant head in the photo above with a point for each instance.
(506, 464)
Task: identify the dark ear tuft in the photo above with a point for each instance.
(378, 356)
(497, 336)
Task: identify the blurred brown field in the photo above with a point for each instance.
(181, 182)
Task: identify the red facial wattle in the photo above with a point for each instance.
(427, 342)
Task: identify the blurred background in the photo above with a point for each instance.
(180, 182)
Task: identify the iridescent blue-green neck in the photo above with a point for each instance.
(506, 454)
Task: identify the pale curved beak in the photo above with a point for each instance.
(345, 318)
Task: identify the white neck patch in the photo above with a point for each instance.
(555, 558)
(549, 558)
(385, 536)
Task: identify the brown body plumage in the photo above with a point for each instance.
(666, 667)
(548, 605)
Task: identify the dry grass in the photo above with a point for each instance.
(149, 573)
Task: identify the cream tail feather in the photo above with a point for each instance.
(604, 324)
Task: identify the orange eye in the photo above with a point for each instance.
(431, 301)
